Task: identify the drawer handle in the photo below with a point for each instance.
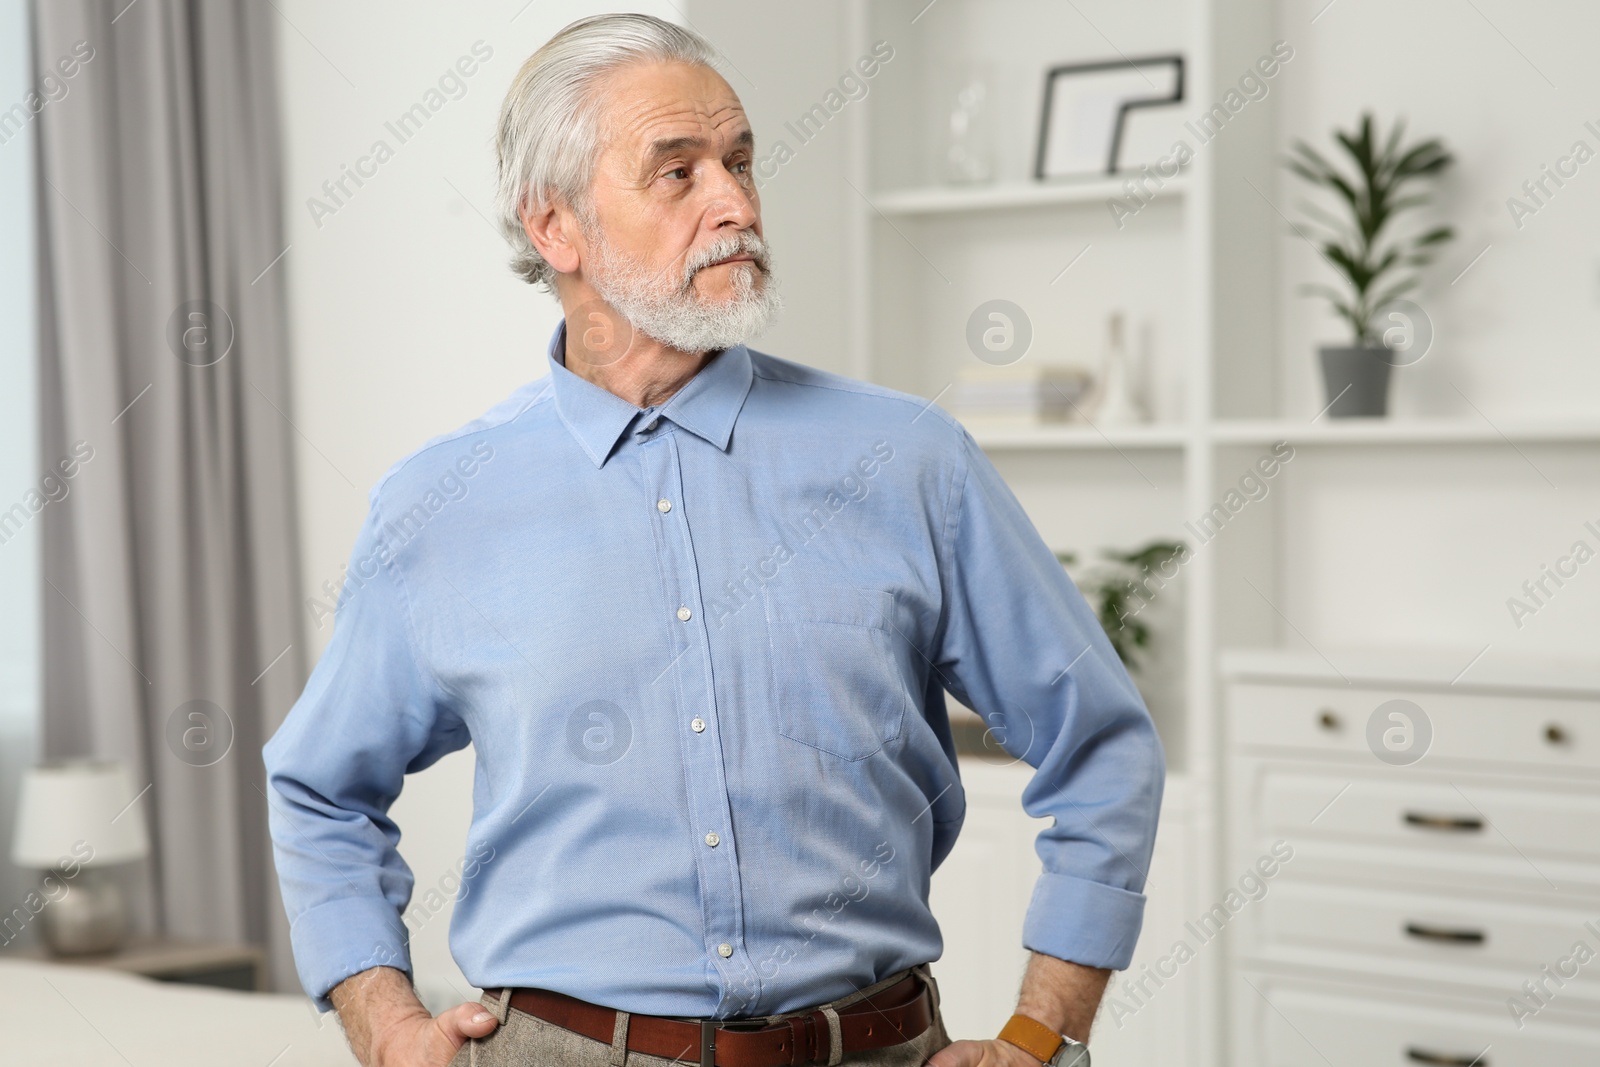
(1457, 824)
(1327, 719)
(1555, 734)
(1447, 934)
(1440, 1059)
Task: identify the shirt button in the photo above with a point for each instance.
(684, 614)
(698, 725)
(650, 425)
(663, 505)
(712, 839)
(724, 950)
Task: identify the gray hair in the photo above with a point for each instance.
(548, 135)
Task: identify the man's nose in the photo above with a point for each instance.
(730, 202)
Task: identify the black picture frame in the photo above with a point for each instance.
(1053, 74)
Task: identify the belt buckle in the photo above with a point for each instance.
(708, 1035)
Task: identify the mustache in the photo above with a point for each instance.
(746, 242)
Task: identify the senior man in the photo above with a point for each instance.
(696, 607)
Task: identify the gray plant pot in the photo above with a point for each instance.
(1358, 377)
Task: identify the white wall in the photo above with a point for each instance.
(405, 321)
(1426, 546)
(1508, 84)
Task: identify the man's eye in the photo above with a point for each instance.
(678, 170)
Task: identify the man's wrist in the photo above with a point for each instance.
(374, 1006)
(1062, 995)
(1046, 1013)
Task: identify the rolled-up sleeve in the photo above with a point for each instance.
(1020, 646)
(370, 714)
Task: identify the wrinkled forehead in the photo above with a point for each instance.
(656, 110)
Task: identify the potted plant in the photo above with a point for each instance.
(1375, 267)
(1113, 590)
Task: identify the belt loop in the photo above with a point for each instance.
(925, 972)
(835, 1036)
(619, 1040)
(502, 1007)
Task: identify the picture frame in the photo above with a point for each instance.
(1084, 116)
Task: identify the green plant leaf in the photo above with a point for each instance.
(1355, 245)
(1429, 157)
(1110, 590)
(1320, 172)
(1393, 145)
(1405, 203)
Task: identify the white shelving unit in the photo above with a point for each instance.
(931, 200)
(1002, 436)
(1395, 936)
(1405, 432)
(1006, 435)
(1195, 272)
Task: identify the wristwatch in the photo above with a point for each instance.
(1043, 1043)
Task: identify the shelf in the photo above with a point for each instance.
(1381, 431)
(993, 434)
(1004, 434)
(1463, 667)
(934, 200)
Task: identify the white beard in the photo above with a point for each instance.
(668, 310)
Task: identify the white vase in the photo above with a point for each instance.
(1116, 401)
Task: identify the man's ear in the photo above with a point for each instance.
(550, 228)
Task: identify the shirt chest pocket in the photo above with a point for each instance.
(836, 679)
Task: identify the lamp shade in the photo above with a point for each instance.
(67, 804)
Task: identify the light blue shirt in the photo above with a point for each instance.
(702, 650)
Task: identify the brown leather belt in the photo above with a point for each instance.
(888, 1017)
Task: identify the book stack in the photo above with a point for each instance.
(1023, 392)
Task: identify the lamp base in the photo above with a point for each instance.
(90, 919)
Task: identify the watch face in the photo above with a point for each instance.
(1071, 1055)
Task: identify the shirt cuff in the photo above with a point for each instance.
(1084, 922)
(346, 936)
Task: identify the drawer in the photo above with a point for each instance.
(1306, 1025)
(1533, 732)
(1455, 938)
(1423, 815)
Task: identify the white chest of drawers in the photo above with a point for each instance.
(1441, 900)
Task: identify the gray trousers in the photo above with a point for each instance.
(523, 1040)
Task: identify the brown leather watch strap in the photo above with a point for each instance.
(889, 1017)
(1031, 1036)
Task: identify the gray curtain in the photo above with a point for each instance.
(172, 638)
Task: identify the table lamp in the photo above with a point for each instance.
(75, 818)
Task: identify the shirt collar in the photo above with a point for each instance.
(707, 405)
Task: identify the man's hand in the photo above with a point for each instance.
(991, 1053)
(426, 1041)
(387, 1026)
(1062, 995)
